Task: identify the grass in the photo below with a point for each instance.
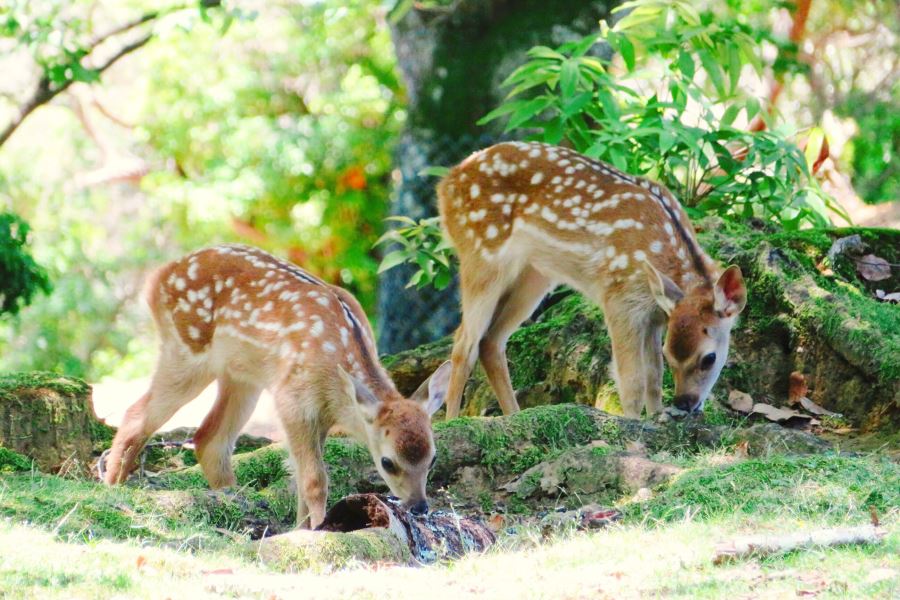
(629, 561)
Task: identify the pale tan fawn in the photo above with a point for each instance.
(525, 217)
(240, 316)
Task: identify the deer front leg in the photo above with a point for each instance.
(305, 440)
(653, 361)
(628, 366)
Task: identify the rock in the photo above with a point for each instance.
(48, 418)
(303, 549)
(588, 473)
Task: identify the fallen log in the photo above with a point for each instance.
(765, 545)
(375, 528)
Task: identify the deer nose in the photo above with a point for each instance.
(419, 508)
(686, 402)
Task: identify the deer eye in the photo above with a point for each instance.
(707, 362)
(389, 466)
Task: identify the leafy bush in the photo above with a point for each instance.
(421, 244)
(20, 276)
(669, 112)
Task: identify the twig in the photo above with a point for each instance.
(765, 545)
(65, 518)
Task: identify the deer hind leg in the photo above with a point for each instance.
(482, 285)
(176, 382)
(523, 297)
(305, 437)
(214, 440)
(628, 366)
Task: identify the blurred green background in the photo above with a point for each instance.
(275, 124)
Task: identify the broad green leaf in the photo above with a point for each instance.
(568, 79)
(712, 68)
(392, 259)
(434, 172)
(686, 64)
(814, 142)
(626, 49)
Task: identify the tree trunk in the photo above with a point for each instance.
(453, 60)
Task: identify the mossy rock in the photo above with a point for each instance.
(302, 550)
(586, 474)
(563, 356)
(822, 488)
(48, 418)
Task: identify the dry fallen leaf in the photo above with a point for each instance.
(140, 562)
(742, 449)
(797, 387)
(815, 409)
(740, 401)
(218, 572)
(873, 268)
(778, 415)
(885, 297)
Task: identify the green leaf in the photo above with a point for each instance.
(392, 259)
(434, 171)
(731, 114)
(734, 67)
(667, 139)
(712, 68)
(814, 142)
(685, 64)
(504, 109)
(577, 103)
(568, 78)
(626, 49)
(553, 131)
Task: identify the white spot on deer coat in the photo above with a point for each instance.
(537, 178)
(317, 329)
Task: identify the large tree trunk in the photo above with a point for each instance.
(453, 60)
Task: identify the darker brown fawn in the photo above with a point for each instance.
(240, 316)
(525, 217)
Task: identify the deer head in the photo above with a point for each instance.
(399, 435)
(698, 331)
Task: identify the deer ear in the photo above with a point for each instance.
(730, 292)
(433, 390)
(665, 291)
(364, 399)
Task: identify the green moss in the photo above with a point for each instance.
(823, 488)
(88, 510)
(573, 321)
(532, 436)
(333, 550)
(346, 461)
(62, 385)
(13, 462)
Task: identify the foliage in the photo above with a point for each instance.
(293, 157)
(874, 151)
(22, 278)
(669, 111)
(421, 244)
(274, 129)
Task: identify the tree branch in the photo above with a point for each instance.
(44, 92)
